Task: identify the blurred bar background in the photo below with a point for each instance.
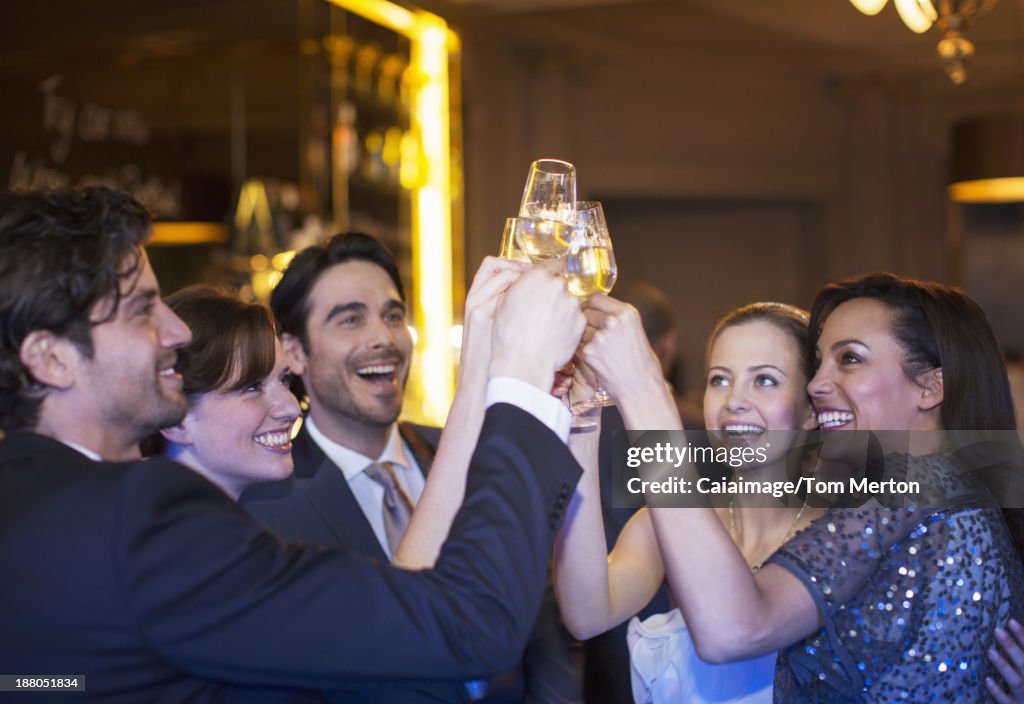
(744, 150)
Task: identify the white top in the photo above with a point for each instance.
(665, 668)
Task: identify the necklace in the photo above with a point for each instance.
(789, 533)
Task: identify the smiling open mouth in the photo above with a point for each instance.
(378, 372)
(828, 420)
(742, 429)
(277, 440)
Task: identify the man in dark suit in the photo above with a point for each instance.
(146, 582)
(315, 504)
(340, 308)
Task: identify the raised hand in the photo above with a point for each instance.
(491, 280)
(625, 364)
(618, 350)
(537, 327)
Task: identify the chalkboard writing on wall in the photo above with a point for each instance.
(80, 143)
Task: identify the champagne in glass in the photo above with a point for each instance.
(589, 269)
(550, 192)
(543, 239)
(510, 248)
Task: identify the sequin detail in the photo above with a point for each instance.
(910, 599)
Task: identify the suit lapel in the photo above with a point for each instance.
(422, 449)
(324, 485)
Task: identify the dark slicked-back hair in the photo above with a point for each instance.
(232, 345)
(61, 253)
(937, 327)
(290, 298)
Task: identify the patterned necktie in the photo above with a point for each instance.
(397, 506)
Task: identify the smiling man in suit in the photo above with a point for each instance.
(340, 308)
(359, 472)
(150, 582)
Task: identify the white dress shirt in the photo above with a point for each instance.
(370, 494)
(84, 450)
(540, 404)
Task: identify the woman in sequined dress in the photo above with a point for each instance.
(868, 603)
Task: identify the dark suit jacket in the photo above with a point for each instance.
(151, 583)
(317, 505)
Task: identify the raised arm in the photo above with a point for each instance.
(446, 483)
(732, 613)
(213, 593)
(597, 591)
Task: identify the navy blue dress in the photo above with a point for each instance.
(909, 596)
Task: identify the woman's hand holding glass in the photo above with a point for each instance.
(619, 354)
(492, 279)
(590, 269)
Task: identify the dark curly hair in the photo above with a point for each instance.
(62, 253)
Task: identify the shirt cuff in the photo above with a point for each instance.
(543, 406)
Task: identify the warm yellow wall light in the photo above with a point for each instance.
(432, 384)
(988, 190)
(184, 233)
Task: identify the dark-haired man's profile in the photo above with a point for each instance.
(148, 581)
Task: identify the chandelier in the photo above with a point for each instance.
(952, 17)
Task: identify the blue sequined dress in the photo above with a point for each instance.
(909, 598)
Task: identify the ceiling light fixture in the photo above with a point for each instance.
(952, 17)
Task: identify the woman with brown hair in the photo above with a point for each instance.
(755, 397)
(241, 411)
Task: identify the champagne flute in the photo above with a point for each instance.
(510, 248)
(550, 192)
(546, 239)
(590, 268)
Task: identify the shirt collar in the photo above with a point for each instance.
(353, 463)
(85, 451)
